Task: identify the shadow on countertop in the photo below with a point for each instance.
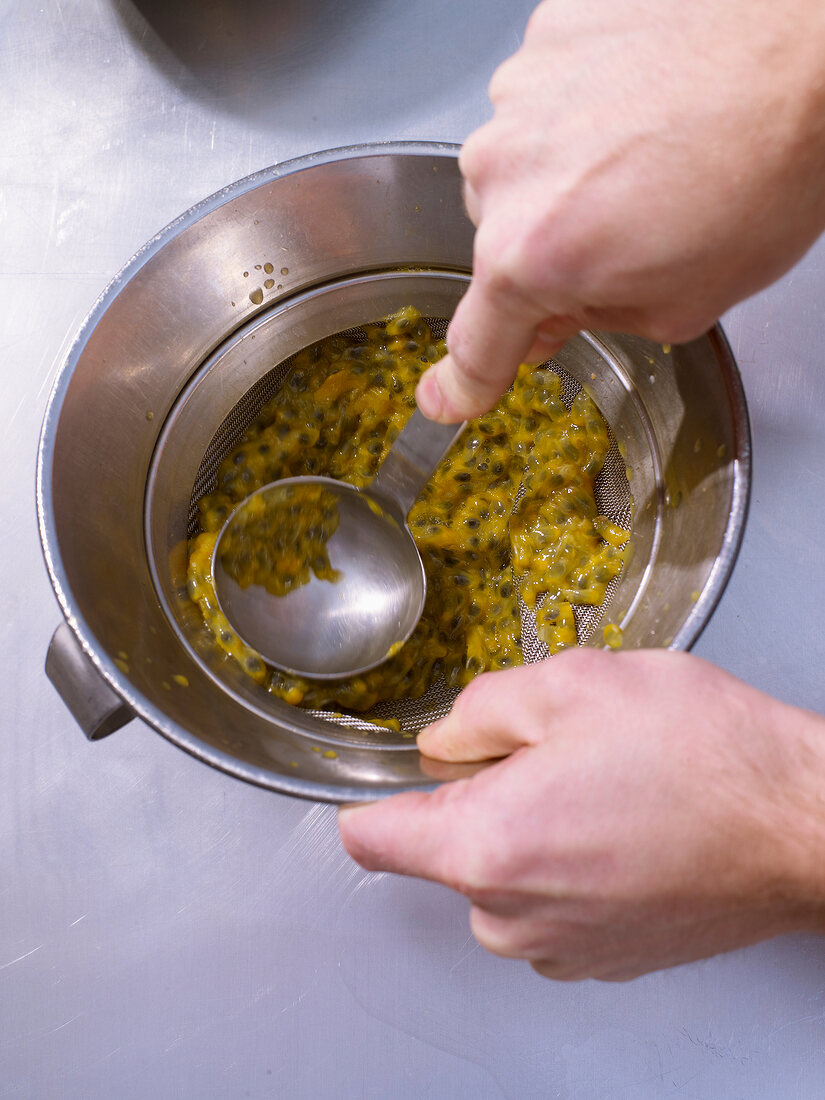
(288, 63)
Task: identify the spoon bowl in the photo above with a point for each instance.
(370, 601)
(327, 629)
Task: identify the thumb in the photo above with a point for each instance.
(487, 340)
(498, 713)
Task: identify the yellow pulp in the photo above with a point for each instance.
(280, 536)
(337, 414)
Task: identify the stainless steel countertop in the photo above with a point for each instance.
(167, 931)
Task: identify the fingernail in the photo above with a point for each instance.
(429, 396)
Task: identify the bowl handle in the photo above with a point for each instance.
(95, 706)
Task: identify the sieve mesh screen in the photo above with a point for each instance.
(612, 497)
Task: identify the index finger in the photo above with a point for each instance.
(488, 338)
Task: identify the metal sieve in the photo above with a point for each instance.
(189, 343)
(612, 495)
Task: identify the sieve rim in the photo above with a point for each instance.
(436, 701)
(714, 587)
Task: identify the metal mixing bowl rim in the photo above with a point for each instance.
(142, 707)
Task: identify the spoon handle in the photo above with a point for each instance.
(411, 461)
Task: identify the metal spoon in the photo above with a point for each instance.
(326, 630)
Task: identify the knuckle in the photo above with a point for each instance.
(495, 934)
(469, 871)
(506, 81)
(585, 663)
(473, 372)
(504, 279)
(473, 697)
(487, 253)
(478, 158)
(480, 869)
(516, 259)
(472, 202)
(525, 687)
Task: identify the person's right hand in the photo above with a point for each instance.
(649, 164)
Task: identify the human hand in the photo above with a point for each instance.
(652, 810)
(649, 163)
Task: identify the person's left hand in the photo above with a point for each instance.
(652, 810)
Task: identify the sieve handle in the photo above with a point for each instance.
(96, 707)
(411, 461)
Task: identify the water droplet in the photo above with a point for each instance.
(284, 270)
(257, 296)
(268, 268)
(269, 284)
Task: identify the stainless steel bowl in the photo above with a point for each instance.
(180, 342)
